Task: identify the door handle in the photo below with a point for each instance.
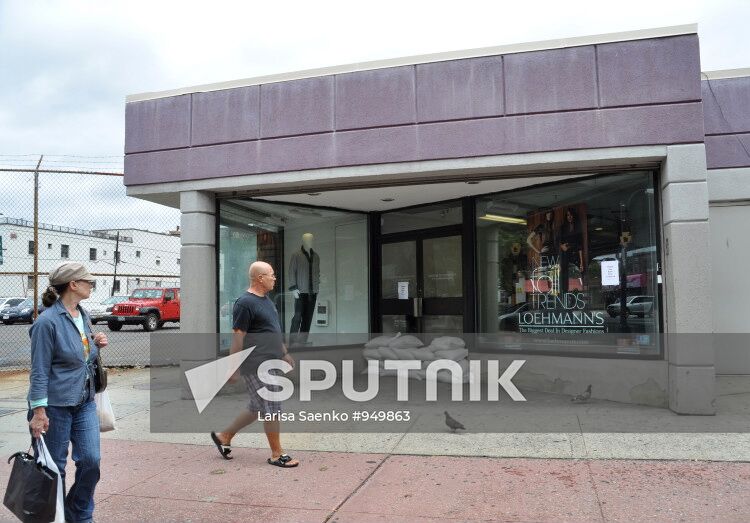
(417, 307)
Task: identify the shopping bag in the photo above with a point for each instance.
(32, 489)
(35, 492)
(105, 412)
(43, 457)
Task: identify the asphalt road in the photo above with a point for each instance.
(130, 346)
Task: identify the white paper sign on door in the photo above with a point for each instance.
(610, 272)
(403, 290)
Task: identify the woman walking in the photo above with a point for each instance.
(61, 393)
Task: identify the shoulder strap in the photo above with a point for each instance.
(91, 329)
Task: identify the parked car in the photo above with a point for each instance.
(639, 305)
(150, 307)
(7, 303)
(23, 312)
(102, 311)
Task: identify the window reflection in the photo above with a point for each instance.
(577, 257)
(320, 257)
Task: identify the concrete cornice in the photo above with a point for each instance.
(725, 73)
(559, 43)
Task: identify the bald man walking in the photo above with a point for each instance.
(256, 323)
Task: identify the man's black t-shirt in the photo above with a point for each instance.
(257, 316)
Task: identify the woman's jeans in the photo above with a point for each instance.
(79, 426)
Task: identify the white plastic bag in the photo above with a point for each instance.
(105, 412)
(44, 457)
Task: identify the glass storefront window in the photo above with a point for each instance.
(576, 257)
(320, 257)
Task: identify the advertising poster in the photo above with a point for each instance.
(557, 256)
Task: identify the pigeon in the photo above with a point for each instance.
(582, 398)
(452, 424)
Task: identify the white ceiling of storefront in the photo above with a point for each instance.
(394, 197)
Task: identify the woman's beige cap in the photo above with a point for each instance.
(67, 272)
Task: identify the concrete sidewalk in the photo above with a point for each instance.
(574, 476)
(144, 481)
(129, 392)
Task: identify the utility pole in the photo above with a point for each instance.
(117, 258)
(36, 236)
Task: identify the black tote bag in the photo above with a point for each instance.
(32, 490)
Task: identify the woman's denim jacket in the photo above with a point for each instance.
(58, 369)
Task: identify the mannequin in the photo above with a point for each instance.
(304, 280)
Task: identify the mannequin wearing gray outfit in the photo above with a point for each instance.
(304, 282)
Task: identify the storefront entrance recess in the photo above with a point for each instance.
(422, 281)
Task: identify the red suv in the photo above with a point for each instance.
(150, 307)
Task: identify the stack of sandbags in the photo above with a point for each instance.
(397, 348)
(451, 348)
(410, 347)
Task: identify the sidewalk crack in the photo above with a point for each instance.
(583, 438)
(359, 487)
(596, 492)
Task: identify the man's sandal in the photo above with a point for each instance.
(224, 450)
(282, 461)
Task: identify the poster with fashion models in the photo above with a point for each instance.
(558, 253)
(557, 248)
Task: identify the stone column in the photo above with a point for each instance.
(198, 281)
(686, 256)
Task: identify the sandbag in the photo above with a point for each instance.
(447, 343)
(406, 342)
(382, 341)
(452, 354)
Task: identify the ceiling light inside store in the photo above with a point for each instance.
(503, 219)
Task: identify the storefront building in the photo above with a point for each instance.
(539, 189)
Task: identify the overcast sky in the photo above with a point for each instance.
(66, 66)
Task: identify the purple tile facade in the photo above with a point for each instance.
(460, 89)
(606, 95)
(159, 124)
(297, 107)
(726, 104)
(225, 116)
(554, 80)
(649, 71)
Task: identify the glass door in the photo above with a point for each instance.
(422, 282)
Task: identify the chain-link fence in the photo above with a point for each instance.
(128, 245)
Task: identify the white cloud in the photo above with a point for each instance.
(67, 65)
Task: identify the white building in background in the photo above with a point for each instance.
(145, 258)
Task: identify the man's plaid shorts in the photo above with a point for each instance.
(257, 403)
